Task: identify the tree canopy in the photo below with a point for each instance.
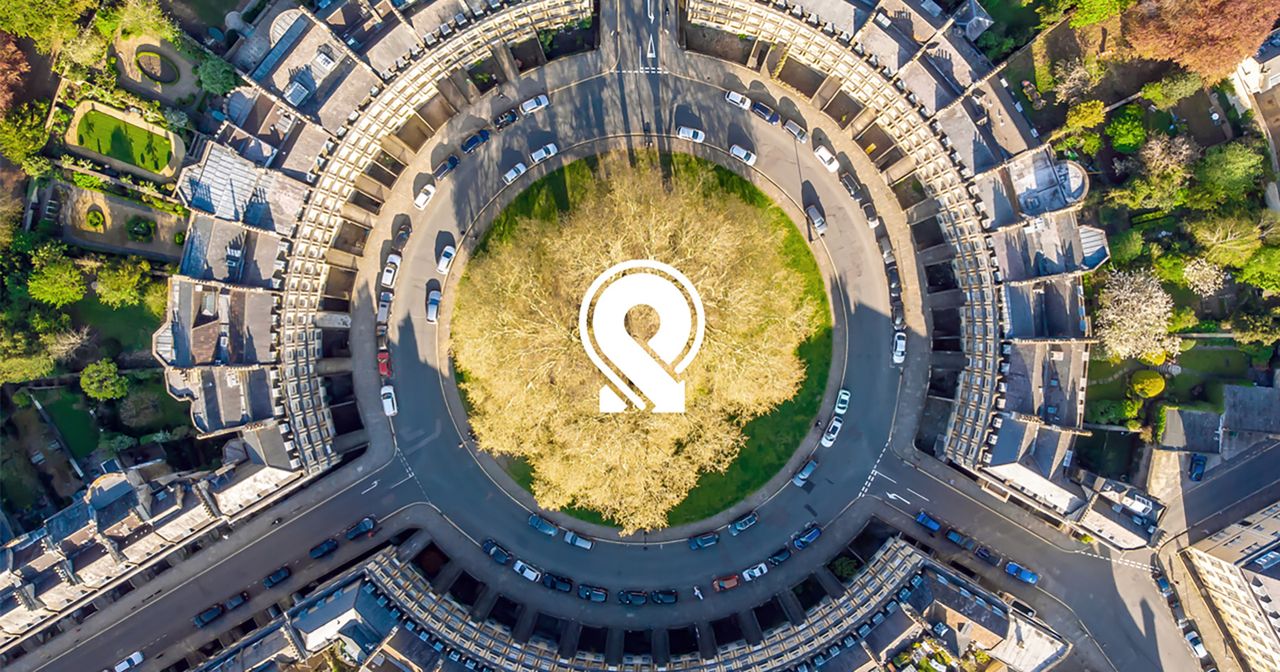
(1229, 237)
(121, 281)
(1089, 12)
(101, 380)
(13, 67)
(1173, 87)
(47, 22)
(1263, 269)
(55, 280)
(1126, 129)
(1133, 315)
(1207, 37)
(533, 391)
(1164, 173)
(217, 76)
(22, 136)
(1230, 172)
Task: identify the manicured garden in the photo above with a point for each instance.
(120, 140)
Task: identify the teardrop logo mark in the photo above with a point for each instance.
(632, 371)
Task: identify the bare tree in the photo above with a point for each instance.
(534, 392)
(1203, 276)
(1133, 317)
(64, 345)
(1074, 79)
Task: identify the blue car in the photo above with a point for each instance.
(704, 540)
(1196, 472)
(928, 522)
(1021, 573)
(765, 112)
(445, 167)
(473, 142)
(324, 548)
(807, 536)
(543, 525)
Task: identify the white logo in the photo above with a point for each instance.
(602, 319)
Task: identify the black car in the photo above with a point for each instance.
(506, 119)
(851, 185)
(632, 598)
(895, 310)
(402, 236)
(445, 167)
(765, 112)
(498, 553)
(704, 540)
(555, 582)
(324, 548)
(988, 556)
(276, 578)
(473, 142)
(895, 281)
(780, 556)
(236, 601)
(668, 596)
(364, 528)
(592, 593)
(208, 616)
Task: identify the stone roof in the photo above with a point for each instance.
(231, 187)
(230, 252)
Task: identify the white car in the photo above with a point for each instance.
(794, 129)
(738, 100)
(446, 259)
(753, 573)
(515, 172)
(543, 153)
(527, 571)
(691, 134)
(424, 196)
(899, 347)
(842, 402)
(433, 306)
(742, 154)
(534, 104)
(390, 270)
(388, 395)
(833, 431)
(134, 660)
(827, 159)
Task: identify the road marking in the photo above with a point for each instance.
(1118, 561)
(652, 52)
(917, 494)
(886, 477)
(370, 488)
(393, 485)
(894, 495)
(649, 8)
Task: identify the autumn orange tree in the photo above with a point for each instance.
(1207, 37)
(13, 67)
(534, 394)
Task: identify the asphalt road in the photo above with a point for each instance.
(1114, 599)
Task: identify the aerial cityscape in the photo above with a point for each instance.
(640, 335)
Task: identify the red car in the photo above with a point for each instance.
(726, 583)
(384, 363)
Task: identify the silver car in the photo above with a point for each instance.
(433, 306)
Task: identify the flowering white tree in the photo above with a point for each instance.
(1203, 276)
(1133, 318)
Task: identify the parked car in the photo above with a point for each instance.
(816, 219)
(384, 363)
(446, 259)
(666, 596)
(506, 119)
(473, 141)
(896, 315)
(1023, 607)
(236, 601)
(380, 331)
(390, 271)
(869, 211)
(384, 308)
(826, 158)
(1162, 583)
(402, 236)
(534, 104)
(433, 306)
(851, 185)
(1196, 644)
(1021, 573)
(323, 548)
(556, 582)
(543, 153)
(134, 660)
(755, 571)
(928, 522)
(801, 135)
(899, 347)
(445, 167)
(208, 616)
(527, 570)
(967, 543)
(515, 173)
(742, 154)
(365, 527)
(742, 524)
(988, 556)
(886, 251)
(497, 553)
(691, 134)
(592, 593)
(632, 598)
(895, 281)
(1196, 470)
(276, 578)
(833, 431)
(388, 396)
(574, 539)
(779, 556)
(704, 540)
(543, 525)
(737, 100)
(424, 196)
(726, 583)
(842, 401)
(802, 475)
(765, 112)
(804, 538)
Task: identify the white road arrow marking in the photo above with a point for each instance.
(370, 488)
(652, 51)
(649, 7)
(894, 495)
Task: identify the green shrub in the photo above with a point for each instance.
(1126, 246)
(87, 181)
(1146, 383)
(179, 237)
(141, 229)
(1126, 129)
(95, 219)
(1112, 411)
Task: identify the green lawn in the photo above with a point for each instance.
(109, 136)
(131, 326)
(771, 438)
(69, 411)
